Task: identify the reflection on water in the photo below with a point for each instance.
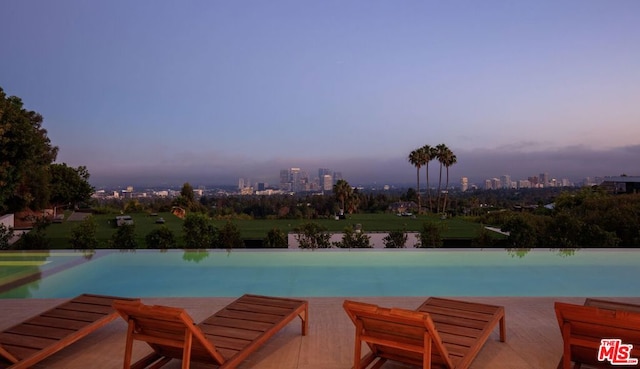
(523, 251)
(88, 254)
(195, 255)
(24, 272)
(519, 252)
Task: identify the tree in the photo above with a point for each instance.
(6, 233)
(160, 238)
(312, 235)
(124, 238)
(25, 155)
(36, 238)
(430, 235)
(199, 232)
(229, 237)
(276, 239)
(187, 193)
(395, 240)
(84, 235)
(342, 190)
(429, 153)
(441, 152)
(448, 160)
(69, 185)
(522, 232)
(187, 198)
(417, 158)
(352, 239)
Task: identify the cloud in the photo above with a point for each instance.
(572, 162)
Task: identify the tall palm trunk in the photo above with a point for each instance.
(446, 193)
(429, 189)
(439, 187)
(418, 188)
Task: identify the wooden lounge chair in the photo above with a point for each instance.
(441, 333)
(583, 328)
(225, 339)
(35, 339)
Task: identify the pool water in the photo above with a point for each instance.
(217, 273)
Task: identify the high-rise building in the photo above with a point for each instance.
(285, 180)
(505, 181)
(464, 184)
(327, 182)
(496, 183)
(337, 176)
(488, 184)
(321, 173)
(544, 179)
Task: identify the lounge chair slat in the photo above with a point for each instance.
(464, 314)
(272, 301)
(238, 323)
(211, 330)
(458, 330)
(74, 315)
(26, 341)
(263, 309)
(255, 316)
(30, 330)
(51, 322)
(460, 305)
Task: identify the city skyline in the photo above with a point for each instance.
(162, 92)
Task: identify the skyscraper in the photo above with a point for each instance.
(464, 184)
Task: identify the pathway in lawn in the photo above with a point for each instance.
(77, 217)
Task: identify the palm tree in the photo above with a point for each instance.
(429, 154)
(342, 190)
(441, 152)
(417, 159)
(450, 159)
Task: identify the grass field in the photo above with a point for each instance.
(456, 228)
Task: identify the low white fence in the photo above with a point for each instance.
(376, 239)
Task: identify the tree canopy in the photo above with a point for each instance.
(25, 155)
(69, 185)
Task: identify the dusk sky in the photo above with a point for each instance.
(164, 92)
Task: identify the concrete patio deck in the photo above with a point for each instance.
(533, 337)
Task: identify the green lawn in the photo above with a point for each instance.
(457, 228)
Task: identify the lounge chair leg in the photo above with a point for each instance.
(304, 316)
(503, 330)
(129, 345)
(186, 353)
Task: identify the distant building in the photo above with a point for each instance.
(505, 181)
(464, 184)
(488, 184)
(621, 184)
(327, 182)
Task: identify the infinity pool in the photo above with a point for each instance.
(335, 273)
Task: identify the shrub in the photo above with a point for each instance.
(229, 237)
(125, 237)
(352, 239)
(199, 232)
(160, 238)
(6, 233)
(312, 235)
(430, 235)
(83, 236)
(395, 240)
(276, 239)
